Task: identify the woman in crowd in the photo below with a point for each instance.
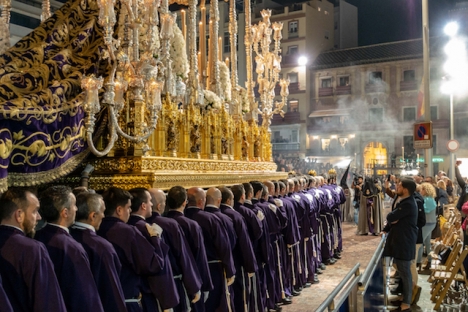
(428, 192)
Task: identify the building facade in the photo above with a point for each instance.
(364, 104)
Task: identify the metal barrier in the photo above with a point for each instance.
(350, 281)
(361, 292)
(371, 292)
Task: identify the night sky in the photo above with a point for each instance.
(393, 20)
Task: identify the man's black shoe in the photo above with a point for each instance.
(318, 271)
(336, 256)
(307, 285)
(287, 301)
(323, 266)
(298, 289)
(277, 308)
(295, 293)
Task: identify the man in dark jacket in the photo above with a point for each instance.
(402, 232)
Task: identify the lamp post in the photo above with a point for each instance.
(456, 68)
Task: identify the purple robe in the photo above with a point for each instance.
(188, 280)
(244, 258)
(71, 265)
(160, 288)
(194, 235)
(262, 252)
(27, 273)
(4, 301)
(137, 256)
(105, 266)
(219, 254)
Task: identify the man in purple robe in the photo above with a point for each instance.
(244, 257)
(176, 202)
(4, 301)
(186, 276)
(254, 223)
(26, 270)
(71, 263)
(104, 262)
(218, 251)
(138, 257)
(159, 290)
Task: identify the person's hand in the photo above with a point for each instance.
(382, 233)
(230, 280)
(260, 215)
(197, 297)
(458, 163)
(154, 230)
(251, 274)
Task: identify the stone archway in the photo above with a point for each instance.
(375, 154)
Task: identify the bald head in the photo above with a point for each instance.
(213, 197)
(196, 197)
(270, 186)
(159, 200)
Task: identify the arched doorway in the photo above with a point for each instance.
(375, 155)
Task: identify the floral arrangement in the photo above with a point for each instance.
(180, 65)
(212, 101)
(225, 81)
(244, 100)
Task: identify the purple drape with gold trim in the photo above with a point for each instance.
(42, 132)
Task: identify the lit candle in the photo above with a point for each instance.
(184, 26)
(220, 51)
(403, 152)
(417, 158)
(202, 39)
(199, 65)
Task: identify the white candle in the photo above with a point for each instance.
(403, 152)
(220, 51)
(184, 26)
(417, 158)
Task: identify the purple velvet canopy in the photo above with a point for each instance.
(42, 131)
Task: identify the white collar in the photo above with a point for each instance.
(60, 226)
(15, 227)
(248, 201)
(212, 206)
(137, 215)
(82, 225)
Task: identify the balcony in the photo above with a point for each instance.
(408, 85)
(289, 59)
(289, 118)
(286, 147)
(343, 90)
(294, 87)
(375, 87)
(292, 35)
(326, 91)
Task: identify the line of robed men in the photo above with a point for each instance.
(250, 247)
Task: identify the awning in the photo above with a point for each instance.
(330, 113)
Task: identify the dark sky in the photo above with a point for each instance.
(393, 20)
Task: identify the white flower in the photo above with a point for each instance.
(180, 65)
(244, 100)
(211, 100)
(225, 81)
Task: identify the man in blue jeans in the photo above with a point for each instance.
(402, 232)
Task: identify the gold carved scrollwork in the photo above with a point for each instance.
(172, 120)
(195, 121)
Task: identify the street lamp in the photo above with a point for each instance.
(302, 61)
(456, 68)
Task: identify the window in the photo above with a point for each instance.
(293, 50)
(376, 115)
(408, 144)
(294, 136)
(293, 78)
(293, 105)
(226, 42)
(408, 75)
(434, 113)
(375, 77)
(293, 27)
(344, 81)
(409, 114)
(326, 83)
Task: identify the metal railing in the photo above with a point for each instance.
(345, 288)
